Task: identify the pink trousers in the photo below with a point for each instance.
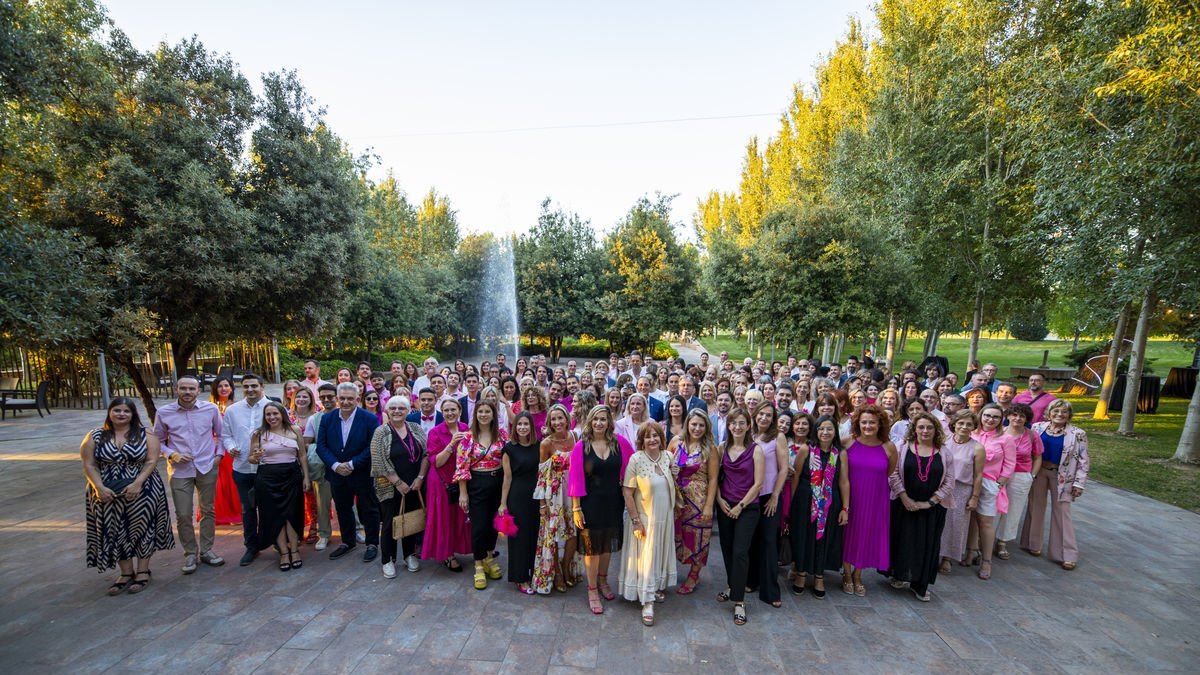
(1062, 547)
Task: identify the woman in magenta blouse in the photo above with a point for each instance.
(1029, 460)
(479, 471)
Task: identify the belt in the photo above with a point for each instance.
(1049, 466)
(492, 472)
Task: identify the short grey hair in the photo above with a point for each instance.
(349, 387)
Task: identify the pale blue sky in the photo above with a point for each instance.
(404, 79)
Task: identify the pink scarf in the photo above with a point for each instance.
(575, 475)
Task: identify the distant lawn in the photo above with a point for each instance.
(1142, 464)
(1003, 352)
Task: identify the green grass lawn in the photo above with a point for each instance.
(1003, 352)
(1141, 464)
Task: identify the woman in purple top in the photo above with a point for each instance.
(870, 459)
(741, 479)
(764, 551)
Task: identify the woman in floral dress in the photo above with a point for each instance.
(556, 563)
(698, 462)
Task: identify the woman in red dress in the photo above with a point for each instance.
(227, 505)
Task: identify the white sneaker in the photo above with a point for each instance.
(413, 562)
(322, 542)
(389, 570)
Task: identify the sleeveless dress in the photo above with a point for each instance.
(557, 525)
(816, 538)
(523, 462)
(446, 530)
(691, 536)
(867, 530)
(954, 534)
(226, 504)
(647, 565)
(278, 489)
(121, 529)
(603, 505)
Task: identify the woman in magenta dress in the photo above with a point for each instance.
(447, 533)
(227, 506)
(870, 460)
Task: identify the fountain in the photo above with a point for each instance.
(498, 311)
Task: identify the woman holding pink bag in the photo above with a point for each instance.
(1000, 460)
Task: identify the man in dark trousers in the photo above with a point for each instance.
(344, 445)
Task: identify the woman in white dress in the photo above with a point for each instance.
(648, 558)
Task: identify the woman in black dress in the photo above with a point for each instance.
(922, 481)
(279, 451)
(594, 484)
(820, 486)
(521, 459)
(126, 501)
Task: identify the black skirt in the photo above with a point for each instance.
(279, 492)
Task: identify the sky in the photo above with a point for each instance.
(499, 106)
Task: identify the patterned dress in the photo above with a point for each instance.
(122, 529)
(692, 536)
(557, 526)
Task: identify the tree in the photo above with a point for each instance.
(652, 278)
(559, 266)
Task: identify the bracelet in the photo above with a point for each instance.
(577, 510)
(420, 476)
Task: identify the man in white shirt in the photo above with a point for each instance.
(430, 367)
(241, 419)
(635, 366)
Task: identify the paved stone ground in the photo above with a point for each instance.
(1132, 605)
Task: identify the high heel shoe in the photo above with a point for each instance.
(974, 555)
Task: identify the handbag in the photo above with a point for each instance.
(117, 486)
(408, 523)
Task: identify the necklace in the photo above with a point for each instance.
(923, 474)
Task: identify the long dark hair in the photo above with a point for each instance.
(525, 415)
(212, 389)
(136, 429)
(837, 437)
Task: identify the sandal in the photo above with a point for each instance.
(594, 600)
(139, 585)
(689, 585)
(606, 590)
(777, 604)
(492, 568)
(1002, 552)
(1068, 566)
(1037, 553)
(819, 593)
(118, 586)
(660, 596)
(847, 587)
(525, 589)
(559, 583)
(285, 565)
(480, 578)
(648, 614)
(739, 614)
(945, 566)
(860, 590)
(985, 570)
(297, 563)
(453, 565)
(798, 585)
(974, 555)
(723, 596)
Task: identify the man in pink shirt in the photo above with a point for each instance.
(188, 429)
(1036, 398)
(312, 378)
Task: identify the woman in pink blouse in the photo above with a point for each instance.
(478, 468)
(1000, 460)
(1029, 460)
(279, 484)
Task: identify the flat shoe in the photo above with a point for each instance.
(1068, 566)
(118, 586)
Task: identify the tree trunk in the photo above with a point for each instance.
(139, 383)
(903, 338)
(937, 340)
(1110, 369)
(825, 349)
(841, 345)
(1075, 343)
(1188, 449)
(1137, 363)
(976, 327)
(812, 348)
(928, 341)
(890, 346)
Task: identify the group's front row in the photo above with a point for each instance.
(568, 502)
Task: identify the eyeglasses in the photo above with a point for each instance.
(372, 399)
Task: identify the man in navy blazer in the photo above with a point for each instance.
(687, 389)
(344, 445)
(644, 387)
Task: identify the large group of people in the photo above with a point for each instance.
(800, 469)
